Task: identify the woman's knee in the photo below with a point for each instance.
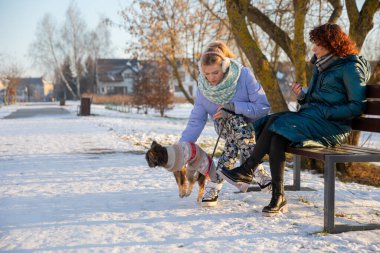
(278, 144)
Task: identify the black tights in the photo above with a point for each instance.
(274, 145)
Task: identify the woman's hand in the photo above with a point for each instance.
(296, 88)
(225, 111)
(218, 113)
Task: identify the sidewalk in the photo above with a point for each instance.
(33, 112)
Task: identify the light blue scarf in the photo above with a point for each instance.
(224, 91)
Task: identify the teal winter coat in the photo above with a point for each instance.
(335, 96)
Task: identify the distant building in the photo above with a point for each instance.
(117, 76)
(2, 91)
(2, 85)
(34, 89)
(188, 82)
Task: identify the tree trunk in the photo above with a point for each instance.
(337, 12)
(295, 49)
(298, 45)
(173, 63)
(78, 85)
(375, 76)
(66, 83)
(361, 22)
(237, 13)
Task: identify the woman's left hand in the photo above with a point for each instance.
(218, 113)
(224, 111)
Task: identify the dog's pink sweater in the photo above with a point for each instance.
(189, 154)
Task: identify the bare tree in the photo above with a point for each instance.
(361, 22)
(73, 35)
(98, 41)
(141, 89)
(171, 30)
(53, 44)
(243, 13)
(10, 74)
(98, 45)
(152, 88)
(46, 50)
(161, 97)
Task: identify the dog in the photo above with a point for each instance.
(188, 162)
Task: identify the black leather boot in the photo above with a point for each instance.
(278, 202)
(240, 176)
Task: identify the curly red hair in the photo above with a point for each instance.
(332, 37)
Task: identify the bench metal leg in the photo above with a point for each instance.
(297, 173)
(329, 204)
(329, 195)
(296, 186)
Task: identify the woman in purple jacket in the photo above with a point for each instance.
(230, 95)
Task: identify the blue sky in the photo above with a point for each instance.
(19, 19)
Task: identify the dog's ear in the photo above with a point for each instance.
(155, 144)
(150, 157)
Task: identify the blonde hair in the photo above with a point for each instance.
(216, 52)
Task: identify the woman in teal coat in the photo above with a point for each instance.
(335, 95)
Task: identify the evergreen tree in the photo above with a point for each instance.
(62, 91)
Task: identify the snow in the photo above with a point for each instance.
(81, 184)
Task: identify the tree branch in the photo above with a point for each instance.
(352, 11)
(361, 22)
(337, 12)
(274, 32)
(224, 22)
(237, 13)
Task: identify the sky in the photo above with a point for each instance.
(19, 19)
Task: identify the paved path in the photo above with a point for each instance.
(32, 112)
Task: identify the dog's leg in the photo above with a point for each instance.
(202, 184)
(191, 178)
(180, 178)
(183, 182)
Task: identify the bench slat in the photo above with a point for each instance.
(366, 124)
(373, 91)
(372, 107)
(347, 152)
(314, 153)
(363, 149)
(320, 153)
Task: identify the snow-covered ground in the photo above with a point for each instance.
(81, 184)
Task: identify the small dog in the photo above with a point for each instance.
(188, 162)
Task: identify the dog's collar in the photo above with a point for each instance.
(171, 158)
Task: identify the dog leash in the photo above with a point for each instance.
(221, 130)
(217, 141)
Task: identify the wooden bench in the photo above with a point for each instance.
(369, 122)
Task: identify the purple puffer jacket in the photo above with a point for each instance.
(249, 100)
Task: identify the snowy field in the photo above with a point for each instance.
(81, 184)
